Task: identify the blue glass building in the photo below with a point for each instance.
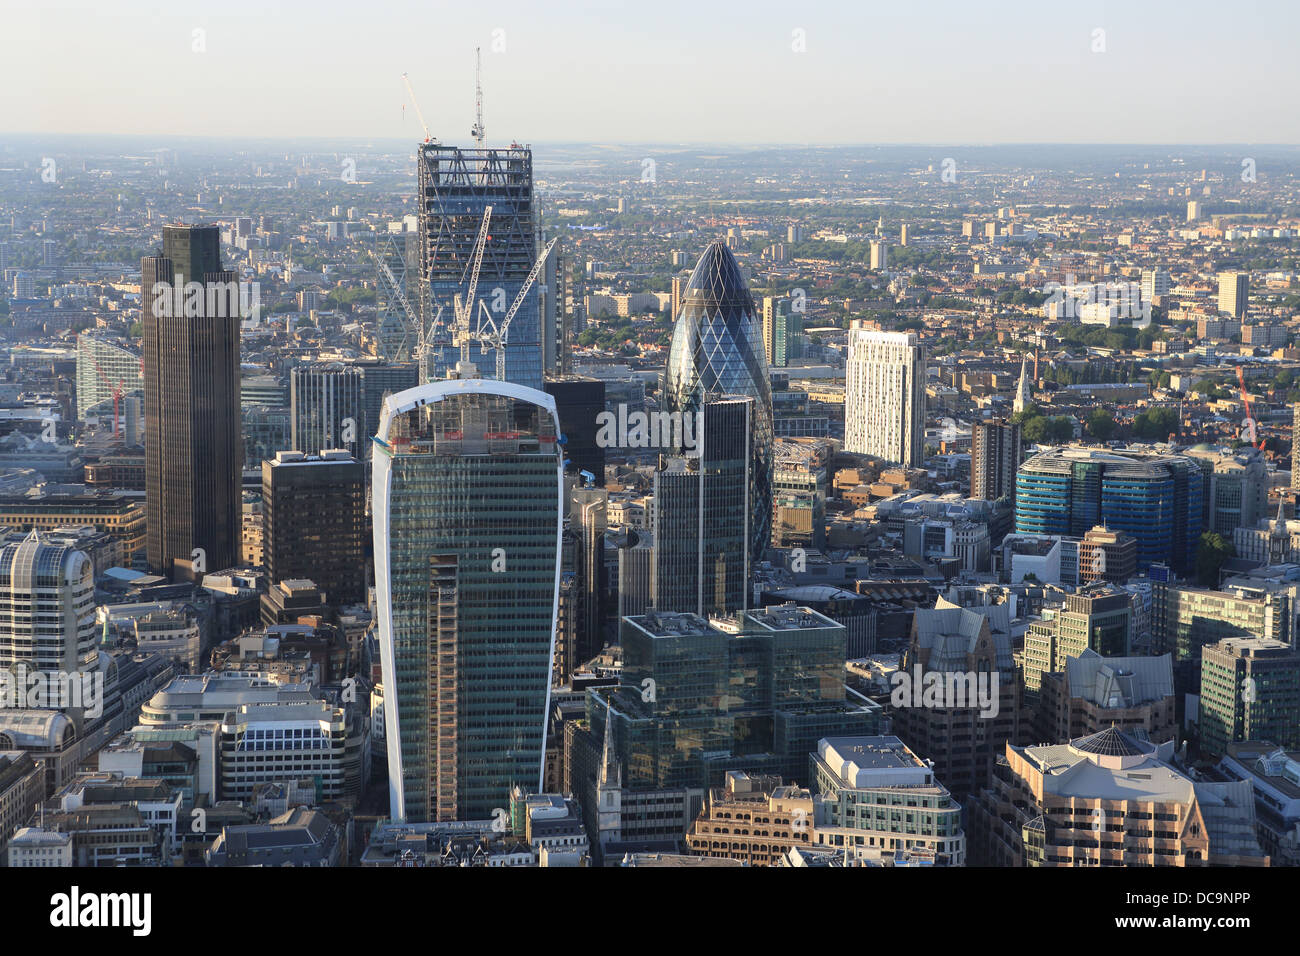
(1153, 497)
(718, 348)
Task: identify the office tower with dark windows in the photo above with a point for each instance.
(884, 396)
(995, 454)
(588, 522)
(578, 402)
(314, 522)
(455, 185)
(1098, 617)
(468, 511)
(717, 349)
(1156, 498)
(702, 515)
(379, 379)
(328, 408)
(193, 444)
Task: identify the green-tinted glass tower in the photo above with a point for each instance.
(468, 484)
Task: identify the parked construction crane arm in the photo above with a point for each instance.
(411, 93)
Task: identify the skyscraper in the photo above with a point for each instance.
(995, 452)
(193, 447)
(578, 402)
(717, 348)
(455, 186)
(702, 516)
(1295, 446)
(775, 334)
(885, 396)
(468, 509)
(329, 408)
(314, 522)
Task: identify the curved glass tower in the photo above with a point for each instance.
(718, 348)
(468, 485)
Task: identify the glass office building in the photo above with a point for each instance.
(1155, 498)
(718, 348)
(468, 484)
(754, 692)
(702, 515)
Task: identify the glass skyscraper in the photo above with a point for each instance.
(702, 515)
(1155, 498)
(455, 186)
(717, 348)
(468, 485)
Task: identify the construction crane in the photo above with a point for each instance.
(478, 132)
(1249, 429)
(490, 335)
(395, 290)
(464, 308)
(411, 93)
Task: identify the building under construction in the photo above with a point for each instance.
(455, 186)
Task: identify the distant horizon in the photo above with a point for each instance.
(398, 142)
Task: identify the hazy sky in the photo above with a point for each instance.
(724, 71)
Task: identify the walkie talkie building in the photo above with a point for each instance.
(468, 483)
(717, 348)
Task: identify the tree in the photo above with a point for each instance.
(1101, 424)
(1156, 424)
(1211, 552)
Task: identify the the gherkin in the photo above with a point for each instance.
(718, 349)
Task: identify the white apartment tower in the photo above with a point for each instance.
(884, 411)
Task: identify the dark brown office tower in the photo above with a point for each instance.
(995, 452)
(193, 448)
(314, 522)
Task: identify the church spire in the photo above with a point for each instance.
(1024, 392)
(611, 773)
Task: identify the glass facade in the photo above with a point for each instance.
(717, 348)
(702, 516)
(467, 507)
(1155, 498)
(753, 692)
